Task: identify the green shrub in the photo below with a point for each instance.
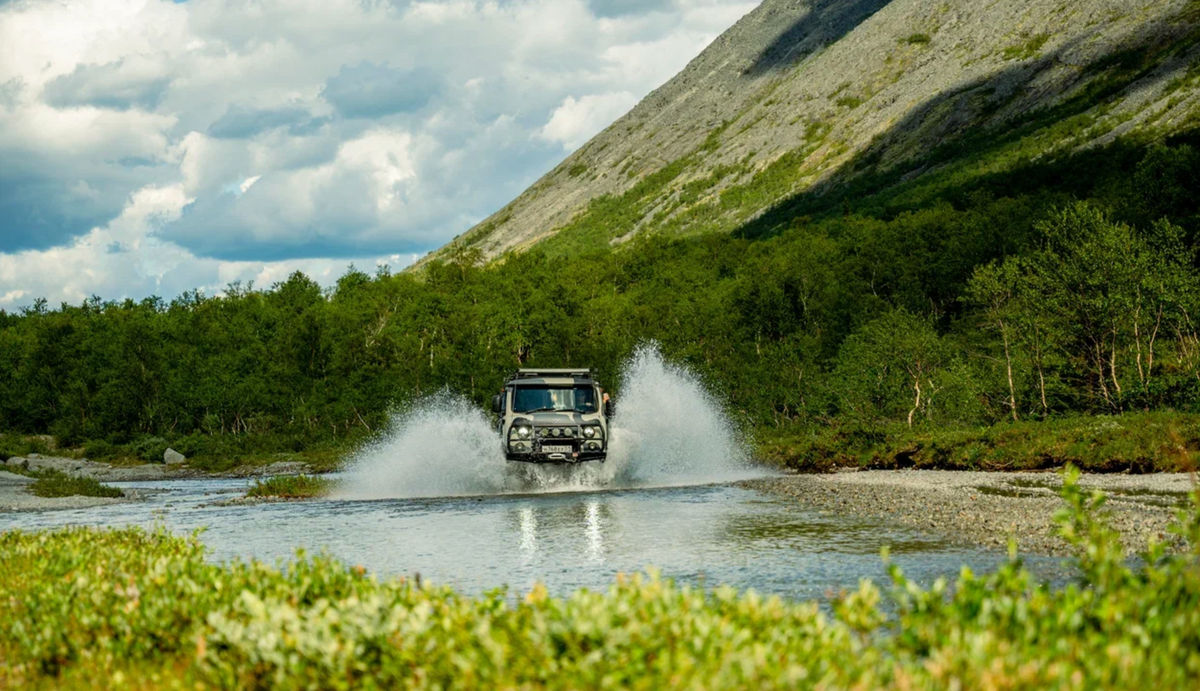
(290, 487)
(1134, 442)
(16, 445)
(52, 483)
(917, 39)
(100, 449)
(149, 448)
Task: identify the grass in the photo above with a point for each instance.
(1029, 48)
(1134, 442)
(149, 610)
(52, 483)
(291, 487)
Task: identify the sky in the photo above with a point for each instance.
(151, 147)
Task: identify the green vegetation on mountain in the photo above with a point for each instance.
(876, 106)
(141, 609)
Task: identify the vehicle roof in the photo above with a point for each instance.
(551, 377)
(551, 381)
(553, 372)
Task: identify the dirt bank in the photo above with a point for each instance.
(987, 508)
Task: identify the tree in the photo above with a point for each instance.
(993, 288)
(895, 352)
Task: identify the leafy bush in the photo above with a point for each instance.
(100, 449)
(52, 483)
(149, 448)
(146, 608)
(290, 487)
(1134, 442)
(917, 39)
(17, 445)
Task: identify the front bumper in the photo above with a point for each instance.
(576, 455)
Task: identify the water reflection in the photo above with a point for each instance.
(528, 532)
(594, 532)
(576, 526)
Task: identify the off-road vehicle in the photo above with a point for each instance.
(553, 416)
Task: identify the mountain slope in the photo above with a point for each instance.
(803, 101)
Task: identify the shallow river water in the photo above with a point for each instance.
(708, 535)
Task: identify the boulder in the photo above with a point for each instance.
(173, 457)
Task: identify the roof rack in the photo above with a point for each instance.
(583, 373)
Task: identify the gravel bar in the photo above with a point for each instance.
(987, 508)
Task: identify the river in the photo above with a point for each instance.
(705, 535)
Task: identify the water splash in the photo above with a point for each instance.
(442, 446)
(668, 431)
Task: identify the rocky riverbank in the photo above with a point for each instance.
(109, 472)
(14, 494)
(978, 508)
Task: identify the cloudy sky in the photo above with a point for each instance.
(150, 147)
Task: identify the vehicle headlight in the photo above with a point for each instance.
(557, 431)
(589, 432)
(519, 432)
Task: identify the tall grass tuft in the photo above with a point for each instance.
(52, 483)
(290, 487)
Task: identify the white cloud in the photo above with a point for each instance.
(147, 144)
(578, 120)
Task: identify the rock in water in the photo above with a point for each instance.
(173, 457)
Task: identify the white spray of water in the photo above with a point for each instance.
(442, 446)
(668, 431)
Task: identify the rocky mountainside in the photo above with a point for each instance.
(807, 101)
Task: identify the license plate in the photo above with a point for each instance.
(553, 448)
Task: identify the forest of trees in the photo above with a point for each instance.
(996, 303)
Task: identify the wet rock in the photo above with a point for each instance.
(173, 457)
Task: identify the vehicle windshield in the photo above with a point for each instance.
(580, 399)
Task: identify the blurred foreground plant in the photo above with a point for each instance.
(135, 608)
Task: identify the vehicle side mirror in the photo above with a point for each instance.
(497, 403)
(610, 408)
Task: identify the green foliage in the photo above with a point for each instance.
(52, 483)
(21, 445)
(1133, 442)
(290, 487)
(916, 39)
(149, 448)
(139, 608)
